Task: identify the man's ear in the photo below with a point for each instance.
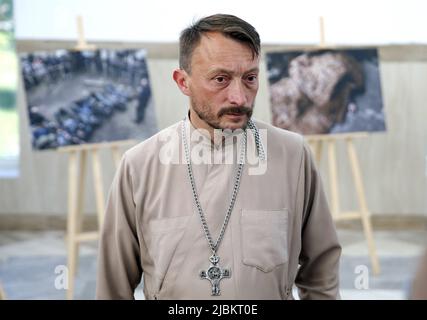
(181, 79)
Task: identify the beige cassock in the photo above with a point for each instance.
(280, 220)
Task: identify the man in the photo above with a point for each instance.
(144, 95)
(198, 224)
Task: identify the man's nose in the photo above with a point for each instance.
(237, 94)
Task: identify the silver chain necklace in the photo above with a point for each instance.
(214, 273)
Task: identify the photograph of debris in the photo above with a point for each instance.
(326, 91)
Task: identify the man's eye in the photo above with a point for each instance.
(252, 78)
(220, 79)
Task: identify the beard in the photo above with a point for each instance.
(214, 120)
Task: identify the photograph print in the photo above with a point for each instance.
(326, 91)
(80, 97)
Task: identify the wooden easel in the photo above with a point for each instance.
(77, 165)
(317, 143)
(330, 141)
(78, 157)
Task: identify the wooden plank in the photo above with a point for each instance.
(71, 223)
(319, 149)
(322, 43)
(349, 215)
(333, 179)
(87, 236)
(72, 219)
(116, 156)
(92, 146)
(336, 136)
(366, 221)
(77, 173)
(81, 42)
(313, 146)
(316, 148)
(80, 200)
(99, 190)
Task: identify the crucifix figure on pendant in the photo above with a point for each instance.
(215, 274)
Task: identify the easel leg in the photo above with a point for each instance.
(366, 221)
(116, 156)
(333, 178)
(80, 200)
(75, 207)
(316, 147)
(318, 155)
(99, 190)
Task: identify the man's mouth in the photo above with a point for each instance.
(236, 112)
(235, 115)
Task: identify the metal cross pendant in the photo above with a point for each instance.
(215, 274)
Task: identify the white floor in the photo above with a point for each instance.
(28, 261)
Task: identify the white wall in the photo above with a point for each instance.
(284, 21)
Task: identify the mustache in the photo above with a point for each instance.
(238, 110)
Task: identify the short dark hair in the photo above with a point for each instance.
(229, 25)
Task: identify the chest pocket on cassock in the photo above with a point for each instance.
(165, 235)
(264, 238)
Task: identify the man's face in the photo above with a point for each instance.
(223, 82)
